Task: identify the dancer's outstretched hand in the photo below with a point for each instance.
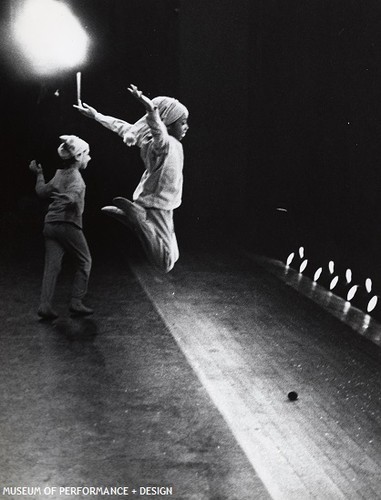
(86, 110)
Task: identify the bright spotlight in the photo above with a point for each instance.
(331, 266)
(301, 252)
(51, 36)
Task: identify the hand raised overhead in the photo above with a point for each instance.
(86, 110)
(35, 167)
(138, 94)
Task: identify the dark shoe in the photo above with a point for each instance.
(46, 312)
(80, 309)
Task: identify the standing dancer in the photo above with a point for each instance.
(158, 135)
(63, 224)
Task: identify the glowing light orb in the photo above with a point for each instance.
(50, 35)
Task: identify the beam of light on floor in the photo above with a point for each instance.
(267, 427)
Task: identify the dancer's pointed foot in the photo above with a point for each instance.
(133, 211)
(117, 214)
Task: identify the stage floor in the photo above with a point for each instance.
(181, 381)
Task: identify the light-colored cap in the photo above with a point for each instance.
(170, 110)
(71, 146)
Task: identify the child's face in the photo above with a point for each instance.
(84, 159)
(179, 128)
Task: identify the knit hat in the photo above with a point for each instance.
(170, 110)
(71, 146)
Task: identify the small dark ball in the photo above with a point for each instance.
(292, 396)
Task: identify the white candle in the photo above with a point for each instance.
(79, 88)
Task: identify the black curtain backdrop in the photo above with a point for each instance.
(284, 97)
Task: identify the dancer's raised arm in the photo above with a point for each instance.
(116, 125)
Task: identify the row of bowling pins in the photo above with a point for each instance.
(359, 294)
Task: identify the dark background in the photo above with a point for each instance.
(285, 112)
